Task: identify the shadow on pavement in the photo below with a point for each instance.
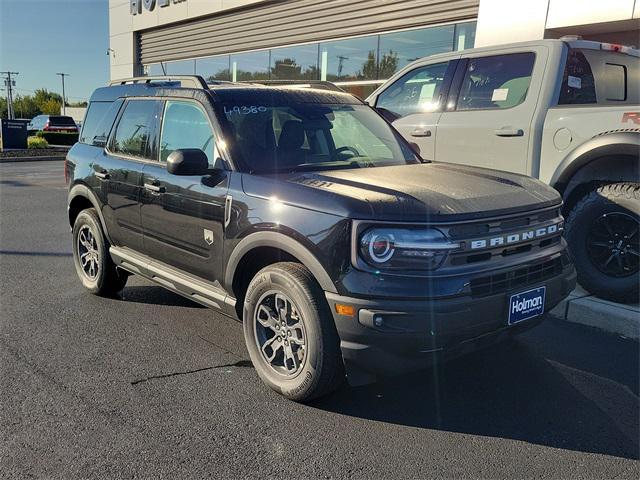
(156, 295)
(548, 387)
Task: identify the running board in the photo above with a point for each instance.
(175, 280)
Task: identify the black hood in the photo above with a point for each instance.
(422, 193)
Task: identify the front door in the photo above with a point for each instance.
(183, 216)
(119, 169)
(414, 102)
(489, 124)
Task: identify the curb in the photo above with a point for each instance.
(32, 159)
(585, 309)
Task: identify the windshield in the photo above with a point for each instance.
(312, 136)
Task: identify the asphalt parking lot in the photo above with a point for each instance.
(152, 385)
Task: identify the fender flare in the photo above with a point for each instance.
(619, 143)
(81, 190)
(284, 243)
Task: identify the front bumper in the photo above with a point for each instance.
(415, 333)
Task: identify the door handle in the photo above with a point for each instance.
(420, 132)
(154, 188)
(102, 174)
(509, 132)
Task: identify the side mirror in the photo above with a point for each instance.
(188, 161)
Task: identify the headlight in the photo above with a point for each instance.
(403, 248)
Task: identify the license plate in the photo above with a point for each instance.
(525, 305)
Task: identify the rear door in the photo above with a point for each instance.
(183, 216)
(489, 114)
(119, 169)
(414, 103)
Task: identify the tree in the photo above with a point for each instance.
(25, 106)
(51, 107)
(385, 68)
(4, 111)
(287, 68)
(369, 69)
(388, 64)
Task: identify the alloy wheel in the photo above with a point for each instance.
(280, 334)
(88, 253)
(613, 244)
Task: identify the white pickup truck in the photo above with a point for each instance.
(565, 111)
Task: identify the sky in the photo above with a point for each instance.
(39, 38)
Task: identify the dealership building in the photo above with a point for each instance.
(356, 44)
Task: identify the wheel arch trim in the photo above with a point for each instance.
(619, 143)
(284, 243)
(81, 190)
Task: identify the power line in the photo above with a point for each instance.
(9, 83)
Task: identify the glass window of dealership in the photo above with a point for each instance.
(357, 64)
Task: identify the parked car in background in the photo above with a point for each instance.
(304, 214)
(565, 111)
(52, 123)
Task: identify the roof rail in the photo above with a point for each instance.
(320, 84)
(186, 81)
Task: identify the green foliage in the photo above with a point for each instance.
(42, 95)
(51, 107)
(37, 142)
(388, 64)
(77, 104)
(24, 106)
(3, 108)
(28, 106)
(59, 138)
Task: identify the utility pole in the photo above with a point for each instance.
(64, 99)
(9, 83)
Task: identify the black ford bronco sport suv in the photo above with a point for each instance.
(303, 213)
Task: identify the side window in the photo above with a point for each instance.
(499, 81)
(578, 84)
(418, 91)
(95, 113)
(185, 125)
(135, 130)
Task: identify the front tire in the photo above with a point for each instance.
(94, 266)
(602, 231)
(290, 334)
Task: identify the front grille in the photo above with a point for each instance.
(503, 282)
(471, 230)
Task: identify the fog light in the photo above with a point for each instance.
(378, 321)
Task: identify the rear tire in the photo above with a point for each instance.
(603, 236)
(290, 333)
(94, 266)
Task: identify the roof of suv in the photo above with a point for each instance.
(222, 91)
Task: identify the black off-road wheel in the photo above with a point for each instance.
(94, 266)
(290, 334)
(604, 239)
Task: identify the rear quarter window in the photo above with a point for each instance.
(98, 120)
(578, 84)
